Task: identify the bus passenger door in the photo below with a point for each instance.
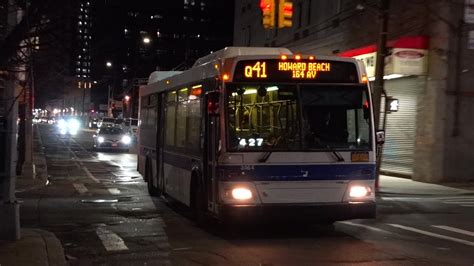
(211, 147)
(159, 144)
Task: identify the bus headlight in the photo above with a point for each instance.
(241, 193)
(238, 193)
(126, 140)
(100, 139)
(359, 191)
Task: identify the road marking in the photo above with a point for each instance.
(110, 240)
(455, 198)
(114, 191)
(80, 188)
(91, 176)
(456, 202)
(366, 227)
(453, 229)
(407, 228)
(80, 164)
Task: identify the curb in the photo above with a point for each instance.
(54, 249)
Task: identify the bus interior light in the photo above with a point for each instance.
(241, 193)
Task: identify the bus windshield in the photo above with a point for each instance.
(265, 117)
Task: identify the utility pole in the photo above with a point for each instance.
(28, 168)
(379, 73)
(9, 207)
(380, 60)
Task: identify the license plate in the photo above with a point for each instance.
(359, 156)
(114, 144)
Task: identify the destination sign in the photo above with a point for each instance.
(323, 71)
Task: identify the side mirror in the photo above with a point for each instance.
(380, 137)
(366, 110)
(213, 102)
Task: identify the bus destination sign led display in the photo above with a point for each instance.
(291, 70)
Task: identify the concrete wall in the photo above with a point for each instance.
(339, 25)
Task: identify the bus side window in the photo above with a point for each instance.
(170, 119)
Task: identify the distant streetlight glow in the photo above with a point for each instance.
(127, 98)
(146, 40)
(108, 64)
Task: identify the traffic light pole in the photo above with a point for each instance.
(379, 73)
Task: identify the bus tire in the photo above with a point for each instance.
(198, 202)
(154, 192)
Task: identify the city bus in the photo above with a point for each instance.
(252, 133)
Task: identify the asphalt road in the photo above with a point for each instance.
(98, 206)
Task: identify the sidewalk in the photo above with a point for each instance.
(403, 186)
(36, 246)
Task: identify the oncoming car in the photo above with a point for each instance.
(112, 138)
(68, 126)
(106, 122)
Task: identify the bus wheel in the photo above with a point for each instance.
(154, 192)
(198, 204)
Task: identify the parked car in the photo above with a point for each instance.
(106, 122)
(112, 138)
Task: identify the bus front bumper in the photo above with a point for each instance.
(298, 213)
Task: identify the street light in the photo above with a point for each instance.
(108, 64)
(146, 40)
(127, 98)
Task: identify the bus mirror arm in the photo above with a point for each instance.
(380, 137)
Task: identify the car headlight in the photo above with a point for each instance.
(100, 139)
(73, 125)
(62, 124)
(126, 139)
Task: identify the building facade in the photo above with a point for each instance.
(428, 69)
(62, 64)
(140, 37)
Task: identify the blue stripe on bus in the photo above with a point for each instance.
(297, 172)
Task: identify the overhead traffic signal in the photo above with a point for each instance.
(285, 13)
(268, 13)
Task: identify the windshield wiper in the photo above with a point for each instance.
(338, 156)
(267, 154)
